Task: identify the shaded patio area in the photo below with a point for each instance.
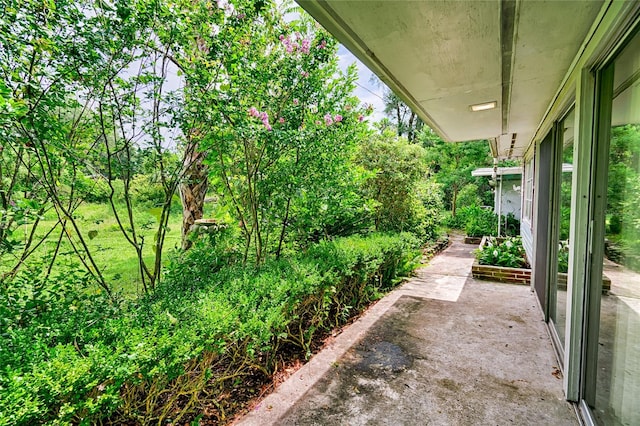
(442, 349)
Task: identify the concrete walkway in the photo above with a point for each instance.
(442, 349)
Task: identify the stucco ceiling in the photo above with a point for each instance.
(442, 57)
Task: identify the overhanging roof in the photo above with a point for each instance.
(500, 171)
(441, 57)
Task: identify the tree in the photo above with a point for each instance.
(287, 124)
(405, 198)
(89, 109)
(451, 163)
(405, 121)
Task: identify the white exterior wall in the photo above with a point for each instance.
(510, 199)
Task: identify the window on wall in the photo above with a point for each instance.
(527, 202)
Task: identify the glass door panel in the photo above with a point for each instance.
(560, 263)
(617, 384)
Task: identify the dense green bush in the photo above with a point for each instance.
(70, 356)
(405, 199)
(510, 225)
(94, 189)
(468, 196)
(147, 190)
(563, 256)
(479, 221)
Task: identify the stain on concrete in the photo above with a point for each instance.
(381, 358)
(482, 360)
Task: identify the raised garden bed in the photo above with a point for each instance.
(562, 282)
(473, 240)
(501, 274)
(519, 275)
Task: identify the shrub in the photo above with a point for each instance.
(147, 190)
(563, 257)
(70, 356)
(506, 252)
(405, 201)
(510, 225)
(94, 189)
(468, 196)
(479, 221)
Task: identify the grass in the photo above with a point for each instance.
(113, 254)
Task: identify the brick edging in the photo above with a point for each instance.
(501, 274)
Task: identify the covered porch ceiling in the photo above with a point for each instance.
(442, 57)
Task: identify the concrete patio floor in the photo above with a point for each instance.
(442, 349)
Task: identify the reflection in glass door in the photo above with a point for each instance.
(560, 235)
(614, 393)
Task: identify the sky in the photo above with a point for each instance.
(367, 92)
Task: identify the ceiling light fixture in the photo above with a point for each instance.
(484, 106)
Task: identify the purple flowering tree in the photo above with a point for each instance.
(282, 132)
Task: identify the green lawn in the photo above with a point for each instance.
(113, 254)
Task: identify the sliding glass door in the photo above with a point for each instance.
(559, 262)
(612, 369)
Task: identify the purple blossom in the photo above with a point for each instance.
(296, 101)
(318, 122)
(306, 45)
(337, 118)
(253, 111)
(323, 45)
(281, 37)
(328, 120)
(281, 120)
(305, 74)
(360, 118)
(290, 46)
(265, 120)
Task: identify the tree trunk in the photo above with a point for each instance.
(454, 200)
(193, 190)
(411, 133)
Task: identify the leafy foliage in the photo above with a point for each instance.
(68, 357)
(124, 102)
(623, 201)
(563, 256)
(452, 163)
(405, 199)
(502, 252)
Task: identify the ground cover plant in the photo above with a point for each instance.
(173, 356)
(507, 252)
